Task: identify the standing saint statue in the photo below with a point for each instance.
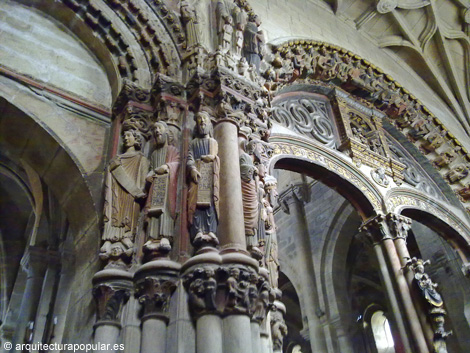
(124, 186)
(250, 197)
(161, 203)
(253, 42)
(203, 195)
(190, 21)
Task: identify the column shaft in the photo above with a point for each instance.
(209, 334)
(237, 334)
(404, 292)
(153, 336)
(231, 231)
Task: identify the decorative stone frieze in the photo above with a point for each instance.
(318, 63)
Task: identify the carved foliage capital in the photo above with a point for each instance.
(110, 298)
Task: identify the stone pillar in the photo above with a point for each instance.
(34, 263)
(111, 289)
(292, 203)
(399, 227)
(379, 230)
(155, 283)
(278, 326)
(231, 230)
(201, 282)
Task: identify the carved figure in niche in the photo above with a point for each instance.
(249, 180)
(446, 158)
(253, 42)
(420, 127)
(464, 193)
(262, 217)
(203, 195)
(457, 173)
(190, 21)
(434, 140)
(344, 67)
(424, 282)
(326, 64)
(262, 301)
(161, 203)
(376, 145)
(224, 24)
(124, 187)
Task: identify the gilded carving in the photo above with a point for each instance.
(435, 303)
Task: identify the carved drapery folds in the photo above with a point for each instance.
(434, 302)
(278, 326)
(203, 196)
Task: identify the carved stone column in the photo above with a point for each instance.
(111, 290)
(231, 230)
(379, 232)
(260, 309)
(155, 283)
(278, 326)
(34, 263)
(399, 227)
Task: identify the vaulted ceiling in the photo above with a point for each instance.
(431, 36)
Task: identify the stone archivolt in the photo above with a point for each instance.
(304, 61)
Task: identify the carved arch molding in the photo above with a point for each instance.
(324, 65)
(395, 201)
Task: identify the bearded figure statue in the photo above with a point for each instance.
(203, 166)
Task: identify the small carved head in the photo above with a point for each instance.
(132, 138)
(160, 132)
(203, 124)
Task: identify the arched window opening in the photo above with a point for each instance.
(382, 333)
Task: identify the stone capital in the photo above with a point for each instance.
(398, 225)
(376, 229)
(131, 95)
(111, 290)
(154, 294)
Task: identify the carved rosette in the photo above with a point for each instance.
(154, 293)
(110, 298)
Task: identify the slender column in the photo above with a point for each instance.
(293, 203)
(111, 290)
(34, 263)
(381, 231)
(231, 230)
(399, 226)
(155, 283)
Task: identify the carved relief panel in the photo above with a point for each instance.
(362, 137)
